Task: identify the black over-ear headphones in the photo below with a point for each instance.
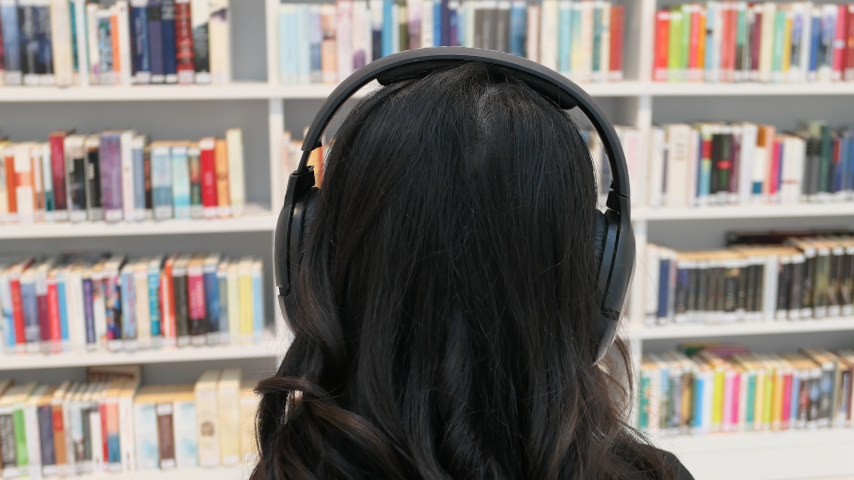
(614, 242)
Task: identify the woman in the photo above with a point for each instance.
(442, 310)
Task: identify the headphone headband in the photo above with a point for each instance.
(418, 63)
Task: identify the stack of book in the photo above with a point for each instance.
(76, 42)
(739, 163)
(116, 176)
(112, 303)
(326, 42)
(727, 389)
(111, 424)
(754, 42)
(803, 277)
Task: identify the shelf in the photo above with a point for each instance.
(836, 209)
(644, 332)
(234, 91)
(765, 455)
(240, 472)
(255, 219)
(269, 349)
(679, 89)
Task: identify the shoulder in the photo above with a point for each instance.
(681, 472)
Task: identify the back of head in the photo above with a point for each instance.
(442, 311)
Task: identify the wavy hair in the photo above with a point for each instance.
(442, 311)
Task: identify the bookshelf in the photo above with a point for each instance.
(264, 108)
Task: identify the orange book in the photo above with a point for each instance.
(701, 44)
(765, 139)
(114, 29)
(221, 168)
(11, 183)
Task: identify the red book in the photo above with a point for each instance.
(787, 402)
(11, 185)
(774, 184)
(207, 146)
(196, 298)
(694, 62)
(17, 302)
(733, 42)
(167, 299)
(848, 73)
(840, 42)
(55, 329)
(726, 49)
(617, 25)
(662, 45)
(41, 303)
(184, 42)
(57, 163)
(104, 433)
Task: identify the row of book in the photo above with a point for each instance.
(719, 163)
(326, 42)
(112, 424)
(80, 42)
(104, 302)
(116, 176)
(735, 41)
(804, 278)
(730, 389)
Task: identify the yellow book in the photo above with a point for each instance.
(207, 428)
(248, 408)
(777, 402)
(787, 40)
(759, 395)
(768, 395)
(221, 167)
(719, 377)
(246, 301)
(228, 412)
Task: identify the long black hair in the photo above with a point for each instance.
(442, 311)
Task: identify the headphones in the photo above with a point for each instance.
(614, 241)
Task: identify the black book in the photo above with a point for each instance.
(93, 179)
(716, 156)
(182, 310)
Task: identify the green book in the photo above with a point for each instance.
(685, 44)
(643, 413)
(20, 435)
(826, 159)
(751, 400)
(779, 47)
(767, 398)
(597, 37)
(674, 51)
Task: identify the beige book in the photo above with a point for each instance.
(60, 31)
(228, 412)
(237, 193)
(248, 408)
(207, 428)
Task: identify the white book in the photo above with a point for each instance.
(39, 187)
(126, 150)
(678, 160)
(344, 38)
(184, 429)
(60, 32)
(92, 51)
(604, 42)
(549, 48)
(127, 427)
(630, 138)
(828, 22)
(76, 306)
(145, 421)
(766, 43)
(360, 33)
(124, 75)
(24, 194)
(200, 14)
(96, 393)
(31, 422)
(652, 265)
(468, 33)
(427, 22)
(749, 133)
(655, 171)
(234, 139)
(82, 73)
(532, 45)
(219, 28)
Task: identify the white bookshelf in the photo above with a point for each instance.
(263, 107)
(239, 472)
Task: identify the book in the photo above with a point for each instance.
(219, 27)
(228, 416)
(207, 420)
(234, 143)
(184, 51)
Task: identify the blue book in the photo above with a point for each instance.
(212, 309)
(29, 43)
(29, 303)
(128, 295)
(287, 44)
(161, 181)
(437, 23)
(167, 26)
(222, 280)
(48, 453)
(6, 310)
(793, 412)
(709, 61)
(564, 42)
(316, 33)
(45, 55)
(698, 402)
(88, 312)
(140, 56)
(257, 302)
(815, 42)
(11, 42)
(138, 153)
(155, 41)
(63, 306)
(304, 49)
(387, 29)
(518, 28)
(663, 282)
(180, 182)
(154, 295)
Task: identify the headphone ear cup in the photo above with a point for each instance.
(309, 209)
(600, 234)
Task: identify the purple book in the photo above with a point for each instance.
(155, 41)
(111, 176)
(89, 313)
(446, 24)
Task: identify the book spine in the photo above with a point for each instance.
(848, 73)
(211, 299)
(168, 26)
(140, 41)
(111, 176)
(122, 22)
(137, 177)
(89, 313)
(182, 326)
(186, 440)
(32, 328)
(147, 449)
(44, 63)
(18, 313)
(57, 162)
(180, 182)
(154, 301)
(184, 55)
(194, 162)
(199, 18)
(128, 190)
(128, 314)
(55, 320)
(196, 302)
(11, 42)
(246, 303)
(222, 290)
(161, 182)
(59, 440)
(142, 304)
(43, 311)
(157, 60)
(237, 195)
(60, 38)
(208, 438)
(165, 435)
(839, 43)
(257, 303)
(48, 452)
(220, 41)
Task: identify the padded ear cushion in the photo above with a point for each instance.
(600, 234)
(309, 209)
